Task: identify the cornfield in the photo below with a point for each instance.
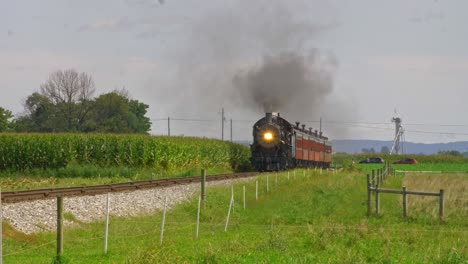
(53, 151)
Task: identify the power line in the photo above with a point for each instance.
(442, 125)
(440, 133)
(414, 131)
(318, 121)
(348, 124)
(184, 119)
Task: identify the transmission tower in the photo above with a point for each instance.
(397, 147)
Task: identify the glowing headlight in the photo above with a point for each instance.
(268, 136)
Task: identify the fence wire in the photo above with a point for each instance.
(117, 233)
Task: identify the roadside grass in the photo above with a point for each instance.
(442, 167)
(437, 167)
(343, 158)
(455, 188)
(79, 175)
(92, 175)
(311, 218)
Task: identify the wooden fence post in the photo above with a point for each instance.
(373, 178)
(441, 204)
(203, 181)
(404, 202)
(377, 200)
(59, 226)
(368, 195)
(377, 184)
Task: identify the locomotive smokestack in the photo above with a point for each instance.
(321, 134)
(316, 132)
(303, 127)
(297, 125)
(268, 117)
(310, 130)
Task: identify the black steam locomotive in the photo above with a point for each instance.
(279, 145)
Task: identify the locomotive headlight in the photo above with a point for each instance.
(268, 136)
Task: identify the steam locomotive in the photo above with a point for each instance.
(279, 145)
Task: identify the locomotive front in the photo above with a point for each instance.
(271, 143)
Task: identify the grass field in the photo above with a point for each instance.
(59, 178)
(310, 218)
(456, 197)
(341, 158)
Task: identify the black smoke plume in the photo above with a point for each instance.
(252, 57)
(286, 82)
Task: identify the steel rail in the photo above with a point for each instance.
(45, 193)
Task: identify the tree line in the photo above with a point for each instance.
(383, 150)
(66, 103)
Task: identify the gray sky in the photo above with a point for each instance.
(180, 58)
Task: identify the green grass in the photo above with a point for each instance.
(92, 175)
(442, 167)
(435, 167)
(311, 219)
(341, 158)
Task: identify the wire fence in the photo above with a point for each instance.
(123, 229)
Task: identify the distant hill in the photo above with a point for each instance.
(356, 146)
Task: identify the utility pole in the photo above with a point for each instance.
(169, 126)
(222, 124)
(320, 124)
(231, 128)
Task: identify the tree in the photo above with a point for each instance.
(5, 122)
(385, 150)
(454, 153)
(65, 104)
(70, 92)
(40, 116)
(115, 113)
(368, 151)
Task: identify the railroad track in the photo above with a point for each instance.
(36, 194)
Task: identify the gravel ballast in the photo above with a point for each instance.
(41, 215)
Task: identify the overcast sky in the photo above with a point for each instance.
(410, 56)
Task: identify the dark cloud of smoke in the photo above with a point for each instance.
(286, 82)
(255, 57)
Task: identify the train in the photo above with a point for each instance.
(279, 145)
